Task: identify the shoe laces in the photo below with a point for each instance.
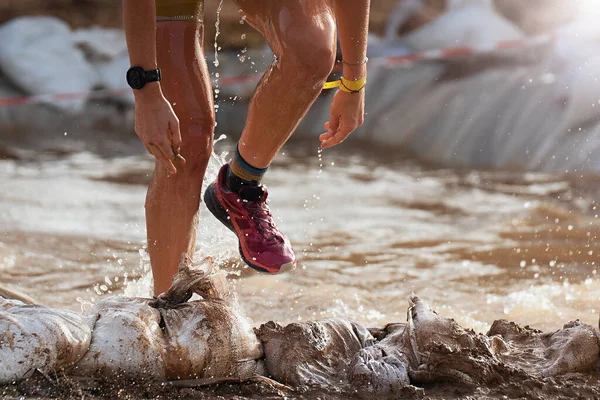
(262, 218)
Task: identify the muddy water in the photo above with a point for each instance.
(370, 228)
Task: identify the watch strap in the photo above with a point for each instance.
(152, 75)
(137, 77)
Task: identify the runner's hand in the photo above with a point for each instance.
(347, 113)
(158, 127)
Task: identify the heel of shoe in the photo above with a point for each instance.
(215, 208)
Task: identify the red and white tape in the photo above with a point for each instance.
(454, 52)
(49, 98)
(430, 55)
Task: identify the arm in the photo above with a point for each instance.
(353, 28)
(347, 109)
(139, 17)
(155, 121)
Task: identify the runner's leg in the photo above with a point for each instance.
(302, 35)
(173, 200)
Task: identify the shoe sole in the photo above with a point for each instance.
(216, 209)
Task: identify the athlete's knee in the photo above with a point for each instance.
(312, 56)
(197, 148)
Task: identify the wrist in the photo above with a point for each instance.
(354, 73)
(150, 91)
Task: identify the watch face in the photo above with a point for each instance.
(135, 77)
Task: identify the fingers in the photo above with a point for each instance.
(164, 154)
(331, 129)
(175, 134)
(176, 139)
(345, 129)
(339, 137)
(179, 158)
(334, 124)
(325, 136)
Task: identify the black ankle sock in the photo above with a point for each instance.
(248, 190)
(235, 183)
(241, 174)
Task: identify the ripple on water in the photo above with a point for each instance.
(479, 245)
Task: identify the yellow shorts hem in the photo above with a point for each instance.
(179, 10)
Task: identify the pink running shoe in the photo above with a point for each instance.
(262, 246)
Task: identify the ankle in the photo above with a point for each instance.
(241, 174)
(235, 183)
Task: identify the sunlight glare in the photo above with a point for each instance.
(589, 8)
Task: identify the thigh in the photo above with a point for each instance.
(291, 23)
(185, 79)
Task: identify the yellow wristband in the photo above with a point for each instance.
(332, 84)
(346, 85)
(352, 86)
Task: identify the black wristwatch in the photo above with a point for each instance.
(137, 77)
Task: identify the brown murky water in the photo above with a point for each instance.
(369, 230)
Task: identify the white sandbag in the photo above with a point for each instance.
(577, 46)
(401, 13)
(6, 303)
(248, 65)
(112, 76)
(379, 47)
(39, 338)
(472, 23)
(171, 339)
(101, 43)
(37, 54)
(127, 339)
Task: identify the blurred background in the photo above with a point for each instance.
(473, 183)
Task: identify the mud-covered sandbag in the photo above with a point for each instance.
(170, 339)
(315, 354)
(440, 350)
(575, 348)
(382, 369)
(38, 55)
(472, 23)
(34, 337)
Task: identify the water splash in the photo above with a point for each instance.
(217, 33)
(216, 89)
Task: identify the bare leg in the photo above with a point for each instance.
(302, 35)
(173, 200)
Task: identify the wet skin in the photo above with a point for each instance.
(173, 199)
(302, 34)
